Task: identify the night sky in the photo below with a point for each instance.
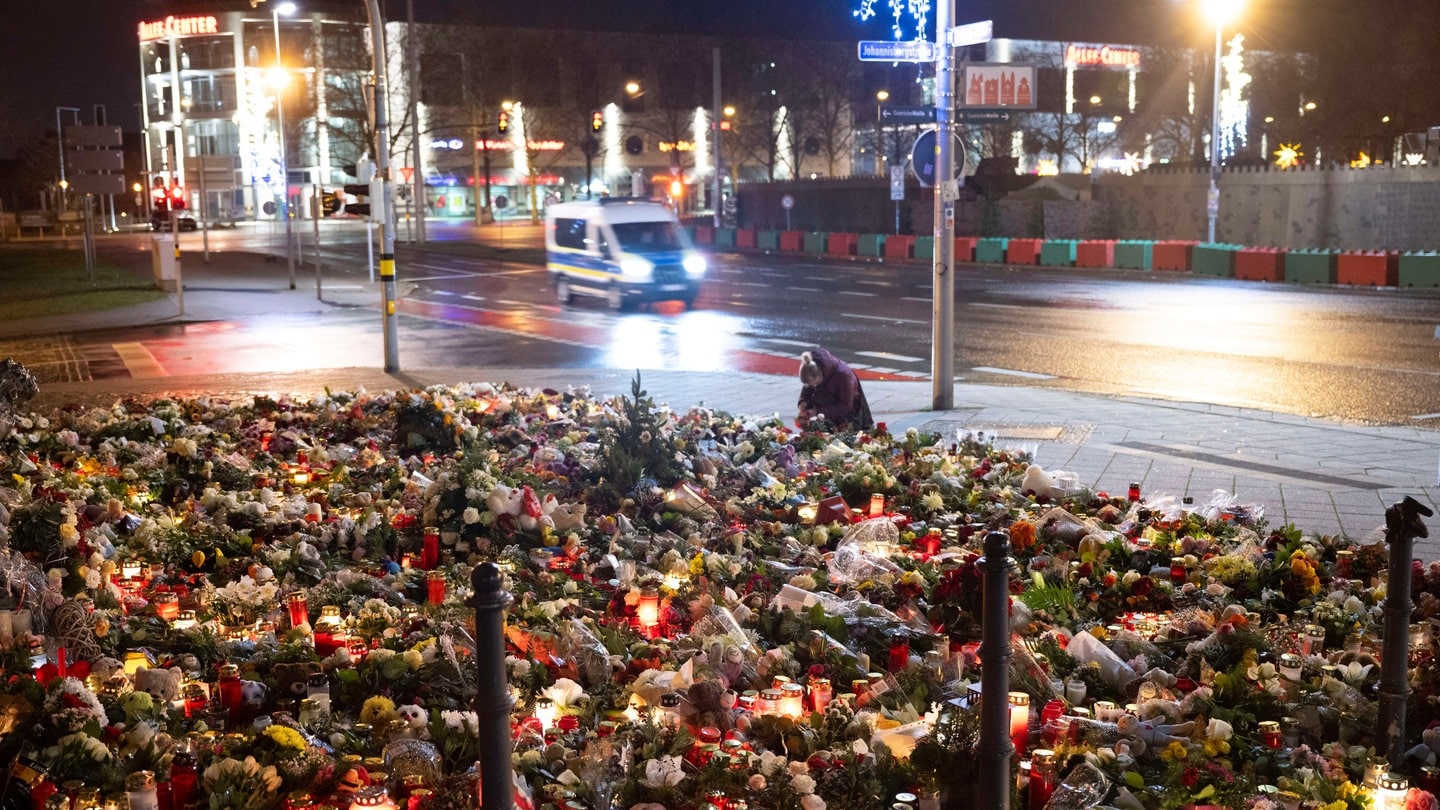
(79, 53)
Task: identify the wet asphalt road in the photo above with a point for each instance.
(1353, 354)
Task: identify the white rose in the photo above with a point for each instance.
(756, 782)
(802, 783)
(812, 802)
(470, 516)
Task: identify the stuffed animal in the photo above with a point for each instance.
(503, 500)
(252, 695)
(535, 511)
(102, 668)
(707, 699)
(568, 516)
(162, 684)
(291, 678)
(417, 720)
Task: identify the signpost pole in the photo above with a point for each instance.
(942, 372)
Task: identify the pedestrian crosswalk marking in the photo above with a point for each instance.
(899, 358)
(139, 361)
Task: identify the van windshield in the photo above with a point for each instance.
(647, 237)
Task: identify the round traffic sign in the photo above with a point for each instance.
(922, 157)
(787, 202)
(501, 201)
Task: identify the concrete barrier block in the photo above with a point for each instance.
(1260, 264)
(991, 249)
(1095, 253)
(1310, 267)
(1368, 268)
(1023, 251)
(1134, 254)
(1420, 269)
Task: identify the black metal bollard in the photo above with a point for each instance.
(492, 689)
(996, 750)
(1402, 526)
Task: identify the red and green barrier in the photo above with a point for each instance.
(1023, 251)
(1057, 253)
(991, 249)
(1134, 254)
(1095, 253)
(1310, 267)
(1260, 264)
(1420, 269)
(1368, 268)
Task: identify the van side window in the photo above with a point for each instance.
(570, 233)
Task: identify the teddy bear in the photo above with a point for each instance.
(707, 699)
(162, 684)
(504, 500)
(534, 510)
(291, 679)
(102, 668)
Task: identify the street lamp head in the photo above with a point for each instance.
(633, 88)
(1095, 100)
(729, 110)
(1221, 12)
(882, 95)
(1309, 105)
(287, 8)
(507, 105)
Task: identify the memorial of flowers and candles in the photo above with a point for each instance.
(261, 602)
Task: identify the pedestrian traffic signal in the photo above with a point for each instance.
(360, 191)
(159, 200)
(503, 124)
(332, 202)
(597, 121)
(177, 197)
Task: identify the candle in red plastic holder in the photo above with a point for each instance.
(1270, 734)
(184, 777)
(1019, 721)
(1042, 778)
(820, 693)
(1133, 494)
(430, 551)
(929, 543)
(299, 608)
(167, 606)
(229, 688)
(877, 505)
(435, 586)
(899, 654)
(1177, 570)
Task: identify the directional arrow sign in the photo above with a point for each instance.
(907, 115)
(983, 116)
(887, 51)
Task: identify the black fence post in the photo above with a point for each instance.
(1402, 526)
(996, 749)
(492, 690)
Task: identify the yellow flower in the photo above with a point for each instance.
(285, 737)
(1174, 752)
(1338, 804)
(1215, 748)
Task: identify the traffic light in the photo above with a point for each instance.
(360, 191)
(503, 124)
(332, 202)
(159, 200)
(177, 197)
(597, 121)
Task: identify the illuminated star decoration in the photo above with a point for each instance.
(1414, 158)
(1047, 168)
(1360, 162)
(1288, 155)
(1133, 163)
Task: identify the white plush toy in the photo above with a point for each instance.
(417, 720)
(568, 516)
(504, 500)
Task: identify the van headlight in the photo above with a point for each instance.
(694, 265)
(636, 267)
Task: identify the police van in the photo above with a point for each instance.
(625, 250)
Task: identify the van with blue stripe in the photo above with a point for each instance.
(625, 250)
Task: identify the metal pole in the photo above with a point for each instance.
(417, 179)
(284, 167)
(1402, 526)
(995, 750)
(718, 203)
(204, 200)
(316, 210)
(387, 193)
(942, 372)
(1212, 199)
(492, 692)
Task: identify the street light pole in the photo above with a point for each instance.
(280, 125)
(942, 372)
(387, 190)
(1212, 200)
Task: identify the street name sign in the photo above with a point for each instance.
(972, 34)
(907, 115)
(888, 51)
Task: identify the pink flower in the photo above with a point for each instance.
(1417, 799)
